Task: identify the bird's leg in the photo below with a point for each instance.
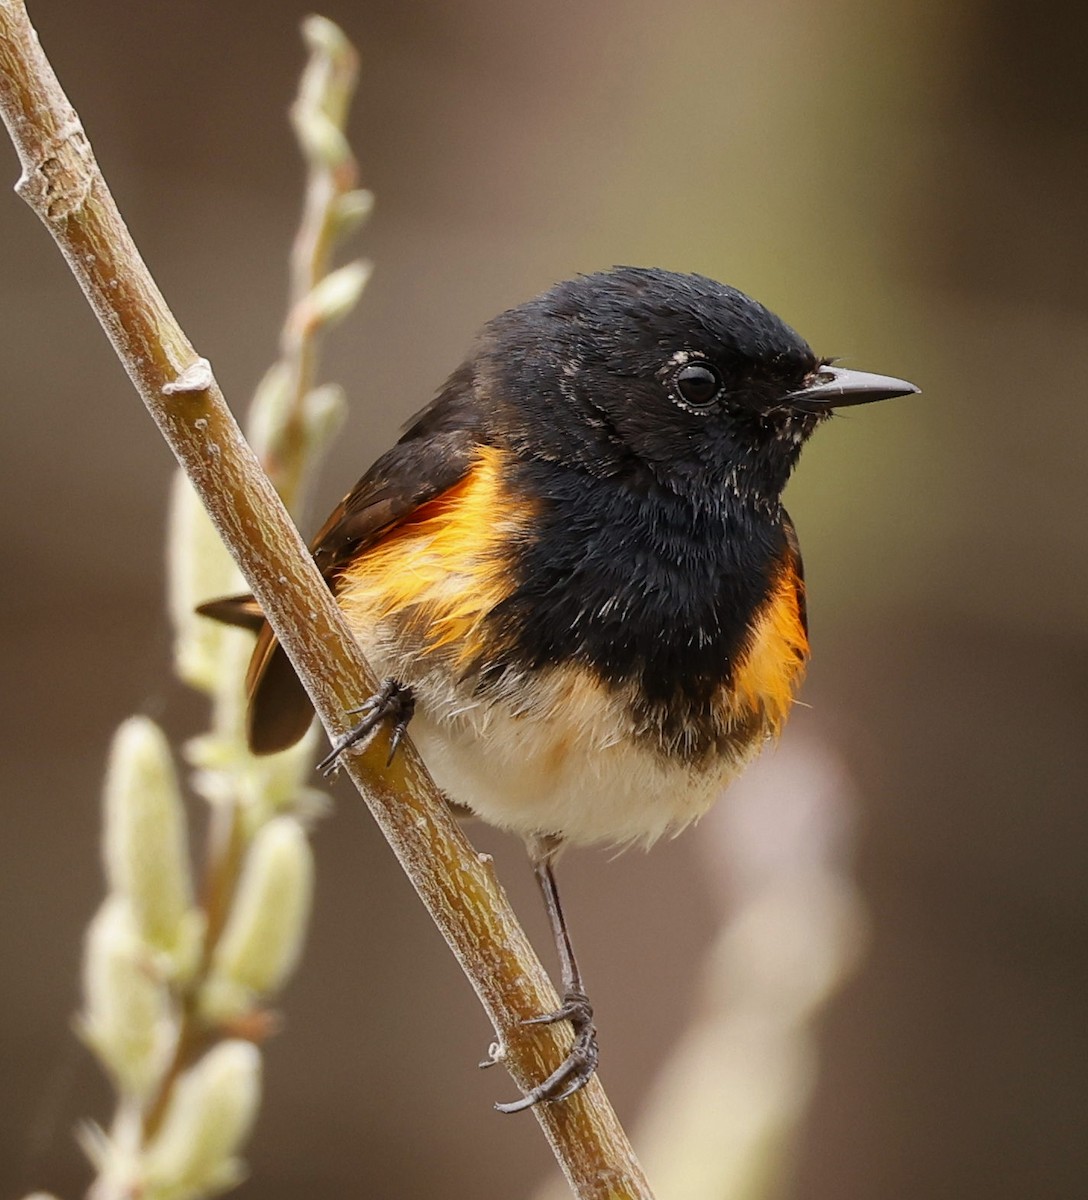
(576, 1070)
(391, 702)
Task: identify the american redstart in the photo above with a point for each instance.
(576, 572)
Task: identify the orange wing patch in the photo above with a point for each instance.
(443, 568)
(773, 662)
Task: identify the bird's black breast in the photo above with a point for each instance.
(653, 594)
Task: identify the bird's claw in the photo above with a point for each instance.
(392, 702)
(577, 1069)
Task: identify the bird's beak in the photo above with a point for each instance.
(836, 387)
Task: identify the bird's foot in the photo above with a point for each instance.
(392, 702)
(577, 1069)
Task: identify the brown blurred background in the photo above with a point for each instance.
(905, 184)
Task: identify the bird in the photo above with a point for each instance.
(575, 575)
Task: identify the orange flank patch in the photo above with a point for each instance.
(443, 568)
(773, 662)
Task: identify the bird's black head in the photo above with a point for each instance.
(656, 376)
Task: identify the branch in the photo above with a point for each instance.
(62, 183)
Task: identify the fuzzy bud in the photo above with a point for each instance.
(323, 413)
(145, 843)
(271, 408)
(207, 1120)
(198, 569)
(126, 1019)
(352, 209)
(322, 141)
(332, 298)
(325, 36)
(267, 924)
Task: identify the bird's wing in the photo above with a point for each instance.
(434, 455)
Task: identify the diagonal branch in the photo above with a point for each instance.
(62, 183)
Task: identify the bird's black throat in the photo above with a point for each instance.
(642, 586)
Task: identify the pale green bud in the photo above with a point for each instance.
(323, 142)
(270, 409)
(229, 703)
(208, 1117)
(127, 1017)
(321, 34)
(226, 773)
(198, 569)
(263, 937)
(327, 83)
(332, 298)
(323, 412)
(278, 782)
(145, 842)
(352, 209)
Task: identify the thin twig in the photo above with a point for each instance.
(63, 184)
(290, 424)
(319, 115)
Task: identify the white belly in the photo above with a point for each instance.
(517, 779)
(562, 759)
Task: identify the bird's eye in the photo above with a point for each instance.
(698, 385)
